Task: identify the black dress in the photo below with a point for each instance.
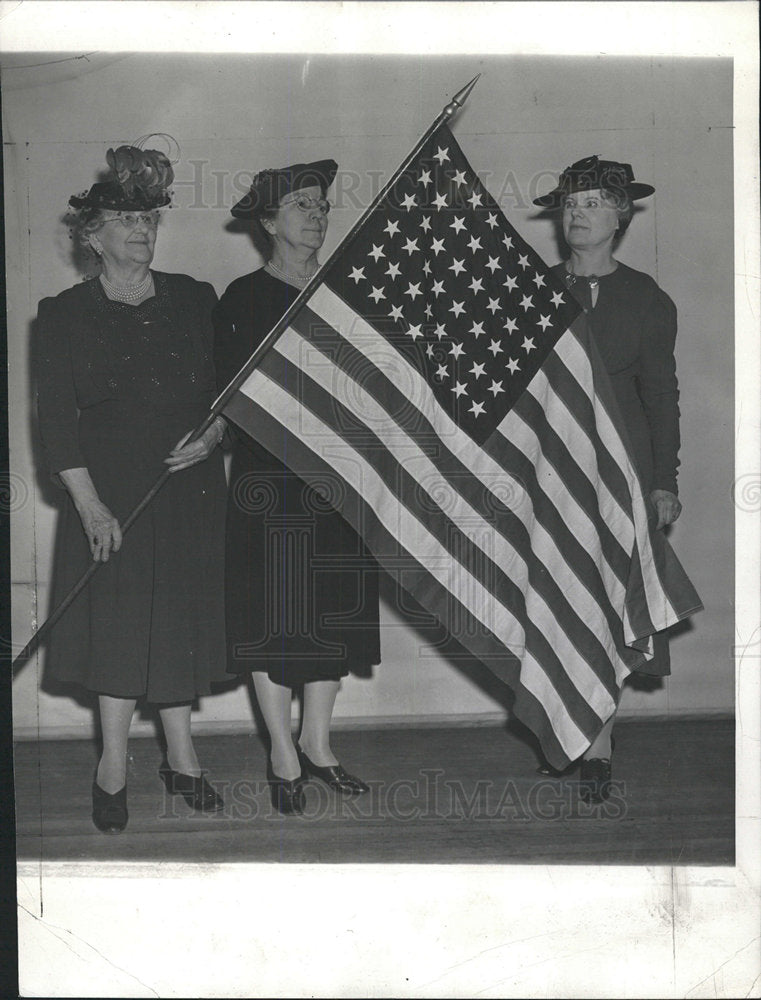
(118, 386)
(633, 325)
(301, 588)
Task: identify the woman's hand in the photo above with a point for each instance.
(102, 529)
(667, 507)
(100, 526)
(184, 455)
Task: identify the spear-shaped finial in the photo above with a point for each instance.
(461, 97)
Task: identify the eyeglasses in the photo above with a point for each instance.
(306, 204)
(130, 219)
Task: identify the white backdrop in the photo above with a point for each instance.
(528, 117)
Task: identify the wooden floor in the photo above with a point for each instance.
(455, 795)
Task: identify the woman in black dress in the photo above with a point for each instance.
(302, 590)
(633, 324)
(124, 372)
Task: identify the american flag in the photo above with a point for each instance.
(438, 374)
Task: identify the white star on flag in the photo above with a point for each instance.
(527, 303)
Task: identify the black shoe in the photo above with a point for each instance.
(197, 792)
(287, 796)
(333, 775)
(109, 812)
(594, 783)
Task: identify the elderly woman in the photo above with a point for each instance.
(302, 591)
(633, 324)
(125, 372)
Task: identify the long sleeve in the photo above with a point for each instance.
(57, 408)
(207, 303)
(232, 346)
(659, 390)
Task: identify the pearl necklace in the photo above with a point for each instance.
(296, 279)
(127, 293)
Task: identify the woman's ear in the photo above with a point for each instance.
(95, 245)
(268, 225)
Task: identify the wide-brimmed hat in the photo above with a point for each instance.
(592, 174)
(141, 178)
(269, 186)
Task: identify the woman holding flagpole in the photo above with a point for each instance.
(302, 589)
(124, 372)
(633, 325)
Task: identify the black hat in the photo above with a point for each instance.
(592, 174)
(269, 186)
(141, 181)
